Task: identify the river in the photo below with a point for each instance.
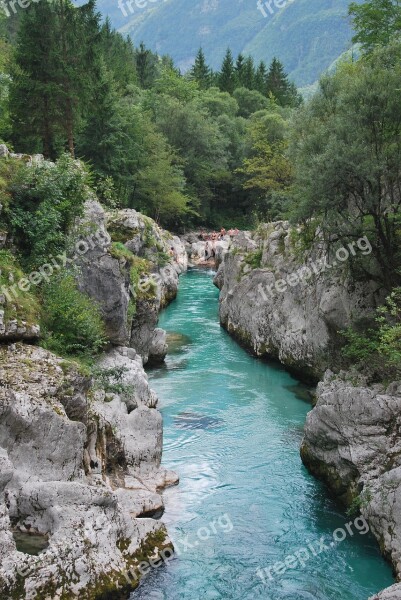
(232, 430)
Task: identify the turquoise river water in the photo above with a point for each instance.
(232, 430)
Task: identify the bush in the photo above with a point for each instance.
(72, 322)
(44, 201)
(377, 349)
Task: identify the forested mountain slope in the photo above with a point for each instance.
(307, 35)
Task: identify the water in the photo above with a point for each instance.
(233, 426)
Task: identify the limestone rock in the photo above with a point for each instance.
(285, 307)
(101, 275)
(352, 442)
(78, 469)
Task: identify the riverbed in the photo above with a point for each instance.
(245, 504)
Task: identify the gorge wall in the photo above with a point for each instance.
(80, 451)
(290, 305)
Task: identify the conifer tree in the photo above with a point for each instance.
(146, 63)
(227, 77)
(56, 69)
(277, 84)
(200, 71)
(249, 73)
(260, 78)
(239, 69)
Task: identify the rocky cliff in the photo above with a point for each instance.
(352, 442)
(80, 448)
(289, 304)
(80, 468)
(132, 274)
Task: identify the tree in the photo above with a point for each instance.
(278, 86)
(146, 66)
(56, 67)
(346, 146)
(267, 169)
(260, 78)
(118, 55)
(200, 71)
(376, 22)
(248, 78)
(227, 77)
(239, 69)
(249, 101)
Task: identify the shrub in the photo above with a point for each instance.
(44, 201)
(72, 322)
(377, 349)
(254, 259)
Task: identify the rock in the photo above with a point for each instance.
(102, 277)
(288, 308)
(4, 152)
(80, 469)
(391, 593)
(167, 255)
(352, 442)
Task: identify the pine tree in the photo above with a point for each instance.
(227, 78)
(146, 63)
(239, 69)
(249, 73)
(277, 85)
(33, 108)
(56, 68)
(260, 78)
(200, 71)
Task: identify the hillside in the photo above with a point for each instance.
(307, 35)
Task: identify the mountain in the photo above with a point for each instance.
(307, 35)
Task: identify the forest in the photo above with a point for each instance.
(184, 149)
(231, 147)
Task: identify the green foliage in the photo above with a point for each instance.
(200, 71)
(279, 87)
(56, 66)
(376, 22)
(377, 349)
(254, 259)
(43, 201)
(71, 321)
(346, 145)
(22, 305)
(359, 502)
(121, 252)
(111, 380)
